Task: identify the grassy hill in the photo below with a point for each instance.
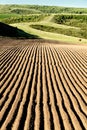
(34, 13)
(46, 22)
(9, 31)
(37, 9)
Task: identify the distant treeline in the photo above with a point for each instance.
(57, 9)
(72, 20)
(23, 18)
(37, 9)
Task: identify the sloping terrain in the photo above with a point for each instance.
(47, 22)
(71, 29)
(9, 31)
(30, 9)
(43, 85)
(6, 30)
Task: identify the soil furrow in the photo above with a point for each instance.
(52, 93)
(81, 117)
(43, 85)
(8, 105)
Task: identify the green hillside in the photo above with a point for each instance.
(47, 22)
(9, 31)
(35, 9)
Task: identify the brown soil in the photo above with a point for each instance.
(43, 85)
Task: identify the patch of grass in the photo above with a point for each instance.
(48, 35)
(9, 18)
(9, 31)
(70, 32)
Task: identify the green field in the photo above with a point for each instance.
(48, 22)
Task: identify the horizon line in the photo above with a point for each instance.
(42, 5)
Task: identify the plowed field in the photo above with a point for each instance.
(43, 86)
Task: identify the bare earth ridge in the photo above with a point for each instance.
(43, 85)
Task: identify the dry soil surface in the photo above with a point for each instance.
(43, 85)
